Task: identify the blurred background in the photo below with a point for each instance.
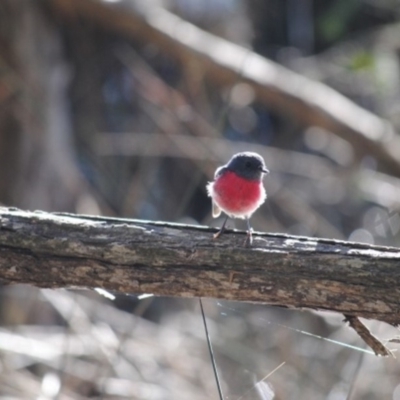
(104, 111)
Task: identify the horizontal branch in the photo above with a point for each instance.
(132, 256)
(204, 148)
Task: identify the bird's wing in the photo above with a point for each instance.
(216, 211)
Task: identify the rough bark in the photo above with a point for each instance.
(132, 256)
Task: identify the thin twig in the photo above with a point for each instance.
(372, 341)
(214, 365)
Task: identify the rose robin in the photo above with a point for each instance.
(237, 189)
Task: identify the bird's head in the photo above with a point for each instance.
(248, 165)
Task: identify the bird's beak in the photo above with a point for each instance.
(264, 170)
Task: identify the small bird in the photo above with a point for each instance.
(237, 189)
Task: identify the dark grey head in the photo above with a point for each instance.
(248, 165)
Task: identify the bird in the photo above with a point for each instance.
(238, 190)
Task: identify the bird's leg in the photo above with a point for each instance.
(249, 238)
(221, 231)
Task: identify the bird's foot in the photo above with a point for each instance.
(219, 233)
(249, 238)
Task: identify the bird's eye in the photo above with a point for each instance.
(247, 164)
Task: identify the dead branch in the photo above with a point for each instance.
(213, 150)
(133, 256)
(365, 334)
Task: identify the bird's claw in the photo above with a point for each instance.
(217, 235)
(249, 238)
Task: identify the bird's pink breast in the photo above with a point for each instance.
(237, 196)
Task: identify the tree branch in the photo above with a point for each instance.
(372, 341)
(132, 256)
